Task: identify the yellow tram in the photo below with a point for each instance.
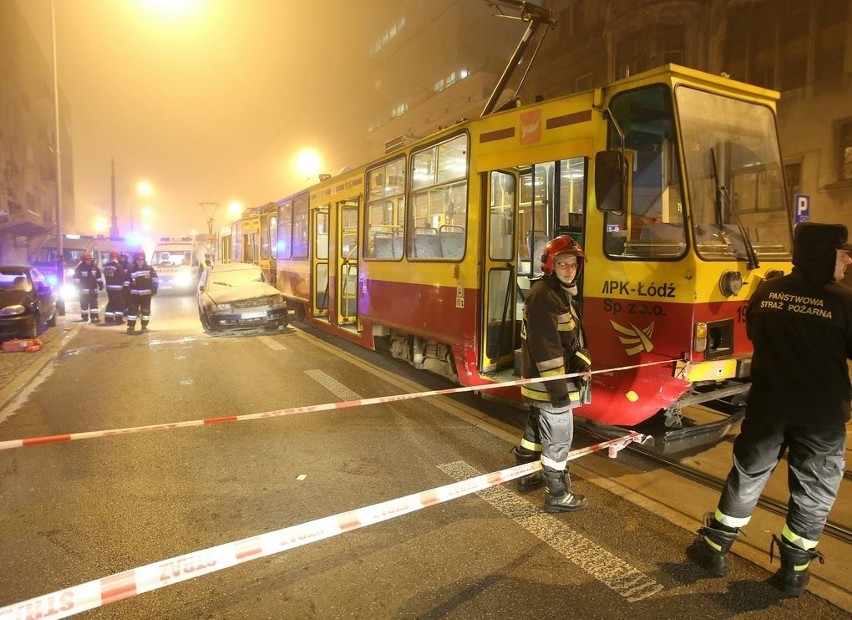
(672, 180)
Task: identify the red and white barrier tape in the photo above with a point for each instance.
(92, 594)
(34, 441)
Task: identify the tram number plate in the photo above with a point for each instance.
(253, 315)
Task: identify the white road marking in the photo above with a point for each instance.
(333, 385)
(610, 570)
(272, 343)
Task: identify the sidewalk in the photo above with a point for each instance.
(19, 368)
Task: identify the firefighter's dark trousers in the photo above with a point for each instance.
(552, 431)
(89, 304)
(140, 307)
(115, 304)
(815, 465)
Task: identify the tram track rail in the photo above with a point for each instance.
(838, 531)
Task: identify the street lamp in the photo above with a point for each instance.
(144, 190)
(60, 246)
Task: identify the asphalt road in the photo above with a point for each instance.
(83, 510)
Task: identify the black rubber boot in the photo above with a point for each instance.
(711, 548)
(794, 573)
(559, 497)
(532, 481)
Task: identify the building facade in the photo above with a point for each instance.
(28, 196)
(802, 48)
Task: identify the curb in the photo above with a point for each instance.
(50, 351)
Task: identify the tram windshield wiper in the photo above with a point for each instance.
(725, 210)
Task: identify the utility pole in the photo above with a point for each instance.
(113, 229)
(60, 274)
(209, 212)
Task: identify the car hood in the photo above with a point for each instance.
(252, 290)
(12, 298)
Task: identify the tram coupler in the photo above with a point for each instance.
(633, 437)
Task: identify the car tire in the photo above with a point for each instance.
(51, 322)
(205, 323)
(31, 329)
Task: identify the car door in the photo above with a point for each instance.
(44, 295)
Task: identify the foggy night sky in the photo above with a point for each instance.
(208, 104)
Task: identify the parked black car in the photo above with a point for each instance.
(27, 302)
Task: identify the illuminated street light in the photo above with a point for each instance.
(235, 208)
(308, 163)
(144, 189)
(100, 224)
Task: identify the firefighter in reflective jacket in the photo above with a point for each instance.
(553, 343)
(140, 284)
(87, 277)
(114, 274)
(799, 403)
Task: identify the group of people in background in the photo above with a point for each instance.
(129, 286)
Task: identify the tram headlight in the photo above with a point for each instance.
(699, 341)
(731, 283)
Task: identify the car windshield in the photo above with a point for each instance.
(241, 277)
(14, 281)
(172, 257)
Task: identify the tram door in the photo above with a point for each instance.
(527, 206)
(319, 261)
(347, 264)
(499, 332)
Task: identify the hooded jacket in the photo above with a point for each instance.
(801, 328)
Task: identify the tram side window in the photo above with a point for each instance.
(652, 227)
(535, 216)
(300, 226)
(250, 247)
(502, 211)
(438, 220)
(385, 212)
(268, 226)
(572, 193)
(225, 246)
(285, 230)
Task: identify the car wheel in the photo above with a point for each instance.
(31, 329)
(51, 322)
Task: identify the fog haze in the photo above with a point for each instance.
(209, 104)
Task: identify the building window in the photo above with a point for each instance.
(750, 43)
(794, 20)
(844, 135)
(793, 175)
(451, 79)
(674, 45)
(831, 38)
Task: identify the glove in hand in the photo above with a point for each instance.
(581, 361)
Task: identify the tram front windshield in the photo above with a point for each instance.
(732, 183)
(734, 177)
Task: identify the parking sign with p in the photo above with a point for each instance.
(801, 208)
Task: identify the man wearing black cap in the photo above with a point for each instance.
(801, 327)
